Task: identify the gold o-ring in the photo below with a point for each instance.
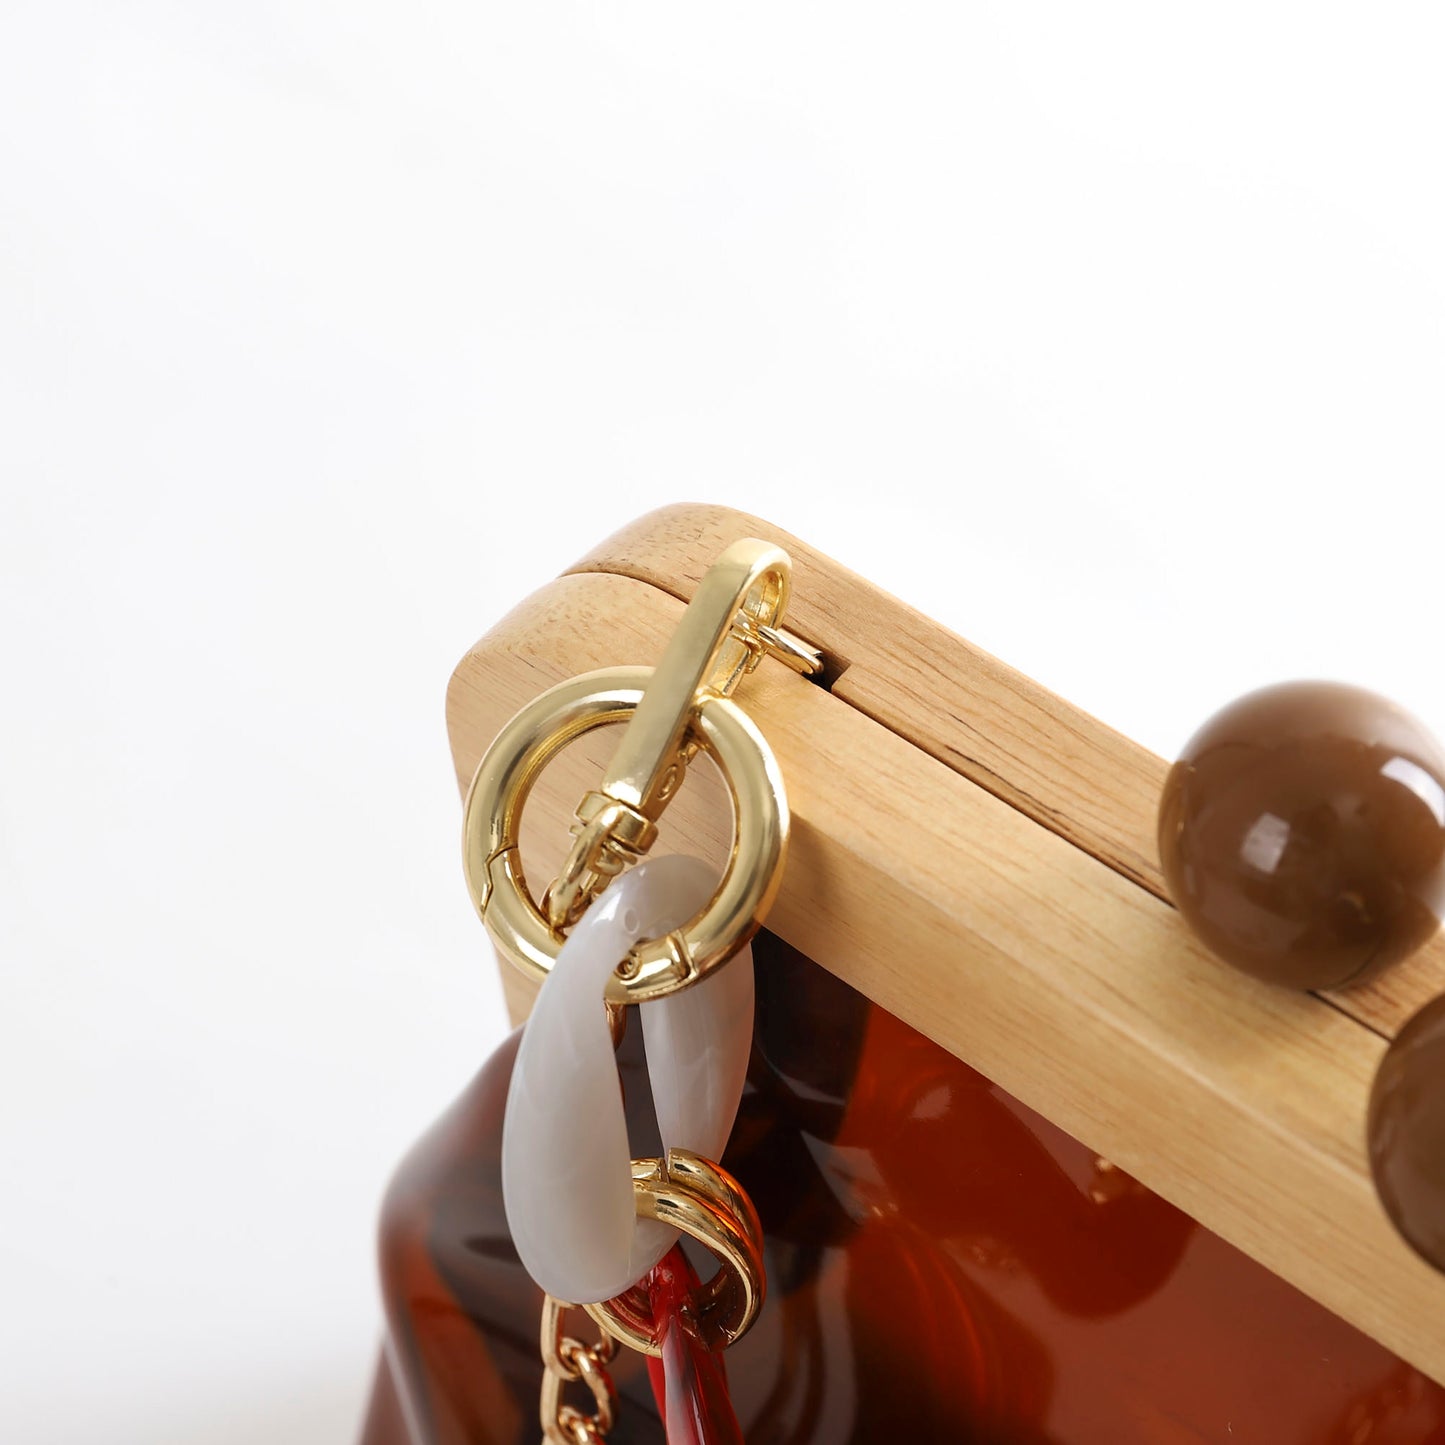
(705, 1202)
(505, 776)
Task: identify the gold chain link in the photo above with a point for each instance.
(565, 1360)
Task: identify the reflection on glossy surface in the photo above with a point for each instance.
(1302, 834)
(1407, 1132)
(943, 1266)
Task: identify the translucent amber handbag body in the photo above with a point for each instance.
(943, 1265)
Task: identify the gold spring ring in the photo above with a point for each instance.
(503, 780)
(706, 1203)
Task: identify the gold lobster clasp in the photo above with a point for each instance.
(732, 622)
(730, 625)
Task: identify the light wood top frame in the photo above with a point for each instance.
(977, 856)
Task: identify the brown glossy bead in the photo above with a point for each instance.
(1407, 1132)
(1302, 834)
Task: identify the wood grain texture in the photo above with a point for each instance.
(1022, 953)
(1056, 764)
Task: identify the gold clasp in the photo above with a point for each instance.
(704, 1201)
(731, 624)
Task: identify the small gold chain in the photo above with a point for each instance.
(565, 1359)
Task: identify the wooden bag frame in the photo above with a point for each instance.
(977, 857)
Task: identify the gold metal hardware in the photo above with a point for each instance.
(728, 628)
(705, 1202)
(671, 711)
(566, 1359)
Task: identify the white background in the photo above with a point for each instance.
(1112, 336)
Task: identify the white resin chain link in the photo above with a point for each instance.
(566, 1161)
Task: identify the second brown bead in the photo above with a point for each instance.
(1302, 834)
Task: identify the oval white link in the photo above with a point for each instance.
(566, 1163)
